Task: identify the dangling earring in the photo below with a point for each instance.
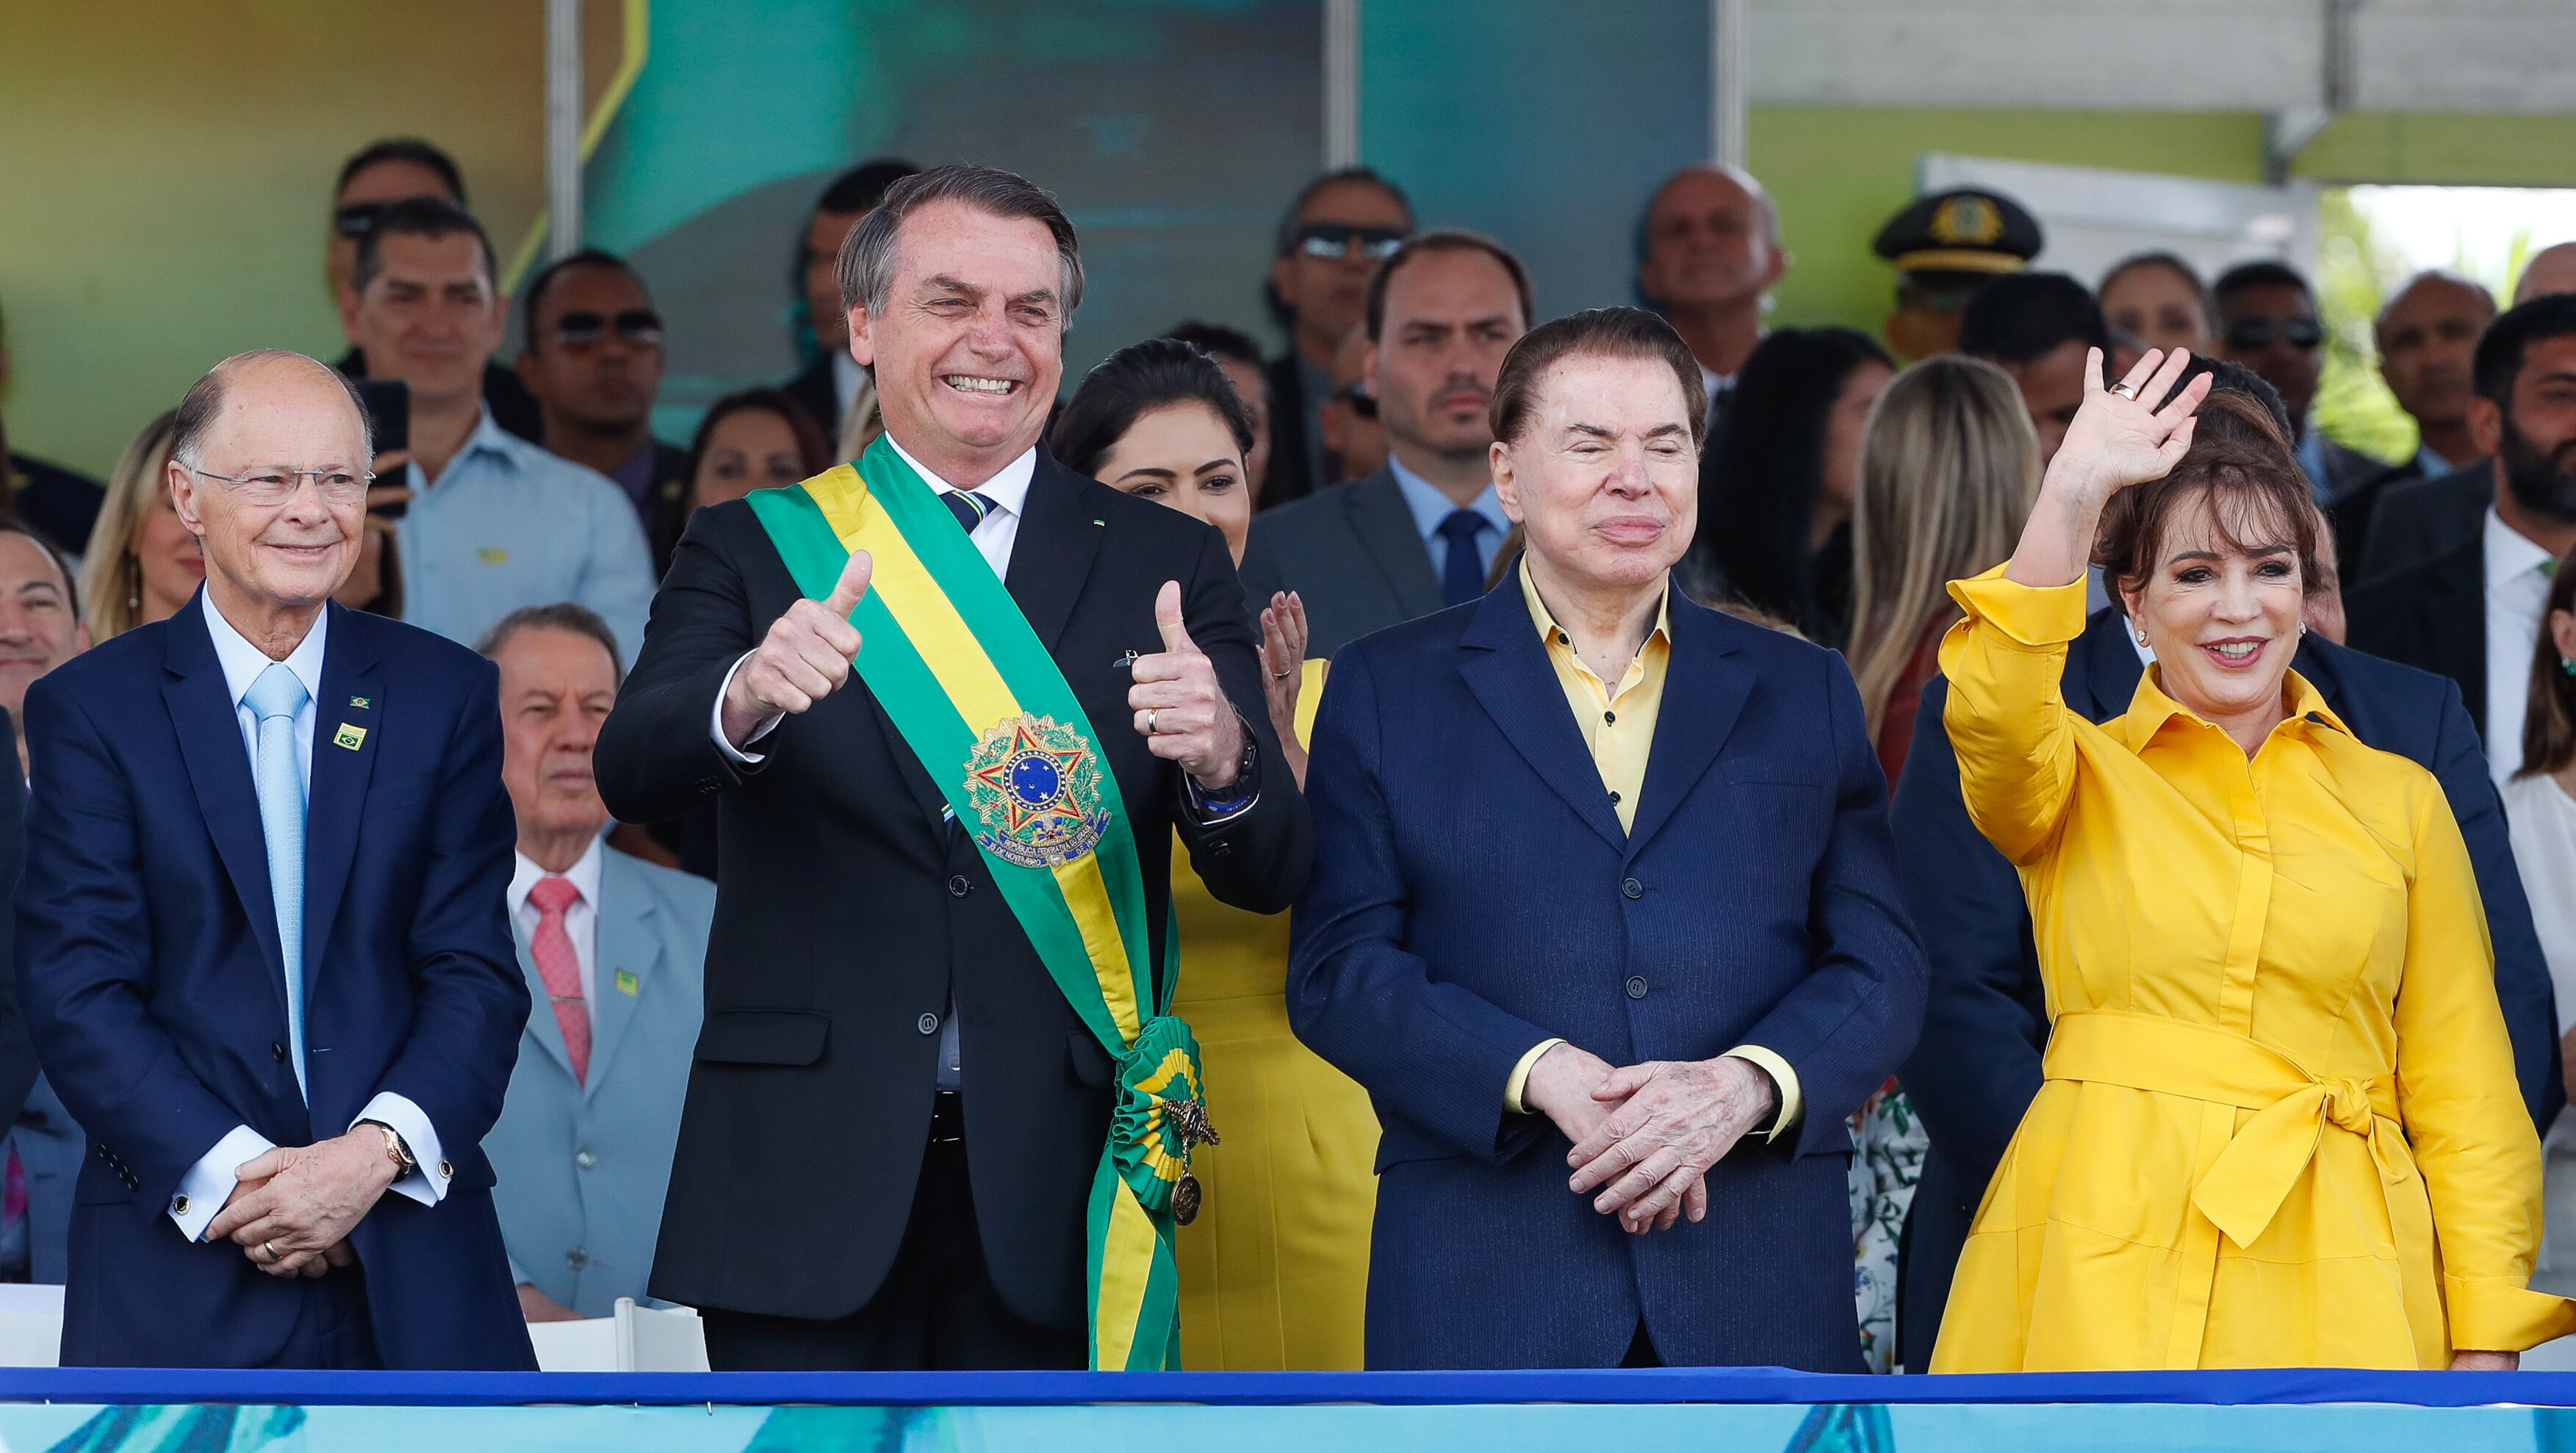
(2567, 664)
(2303, 628)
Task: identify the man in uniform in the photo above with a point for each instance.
(1944, 248)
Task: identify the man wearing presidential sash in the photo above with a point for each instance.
(953, 699)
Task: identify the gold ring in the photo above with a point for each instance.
(2125, 389)
(1153, 722)
(271, 1248)
(1282, 675)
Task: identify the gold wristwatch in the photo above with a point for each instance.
(395, 1150)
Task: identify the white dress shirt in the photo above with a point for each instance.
(2517, 574)
(994, 535)
(210, 1182)
(581, 920)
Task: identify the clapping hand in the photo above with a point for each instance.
(805, 656)
(1180, 710)
(1283, 670)
(1667, 1122)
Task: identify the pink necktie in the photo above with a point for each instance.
(560, 967)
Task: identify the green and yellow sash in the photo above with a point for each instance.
(947, 653)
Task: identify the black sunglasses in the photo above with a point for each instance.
(1358, 397)
(2252, 333)
(582, 329)
(1336, 239)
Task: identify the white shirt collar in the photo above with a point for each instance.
(243, 662)
(1009, 490)
(584, 875)
(2509, 553)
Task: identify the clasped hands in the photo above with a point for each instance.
(292, 1207)
(806, 655)
(1645, 1134)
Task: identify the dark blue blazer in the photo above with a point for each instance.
(1474, 894)
(149, 970)
(1985, 1025)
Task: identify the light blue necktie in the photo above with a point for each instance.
(275, 698)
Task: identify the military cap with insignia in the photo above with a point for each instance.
(1964, 230)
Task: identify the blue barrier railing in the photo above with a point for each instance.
(1272, 1389)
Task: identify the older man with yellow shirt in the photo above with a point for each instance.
(1613, 961)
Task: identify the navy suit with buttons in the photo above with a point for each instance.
(150, 975)
(1474, 894)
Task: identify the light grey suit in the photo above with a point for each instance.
(583, 1166)
(1352, 553)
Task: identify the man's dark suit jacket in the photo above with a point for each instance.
(2355, 505)
(2432, 615)
(61, 503)
(813, 387)
(1986, 1025)
(848, 919)
(17, 1052)
(1292, 476)
(148, 958)
(1352, 553)
(2421, 519)
(1475, 894)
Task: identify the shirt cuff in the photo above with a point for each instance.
(715, 721)
(1520, 1075)
(209, 1183)
(2030, 615)
(428, 1183)
(1781, 1075)
(1208, 812)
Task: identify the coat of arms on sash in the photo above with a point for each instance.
(1035, 785)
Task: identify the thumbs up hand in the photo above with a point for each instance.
(1180, 710)
(805, 657)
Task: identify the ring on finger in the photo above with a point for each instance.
(271, 1248)
(1153, 722)
(1282, 675)
(2125, 389)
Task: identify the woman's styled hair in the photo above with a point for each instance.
(1133, 382)
(111, 579)
(2549, 723)
(812, 449)
(1948, 469)
(2241, 463)
(1766, 468)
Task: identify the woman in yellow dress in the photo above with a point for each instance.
(2279, 1125)
(1274, 1273)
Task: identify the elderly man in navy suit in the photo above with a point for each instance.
(615, 948)
(1606, 918)
(261, 938)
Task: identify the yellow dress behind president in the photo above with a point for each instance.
(2279, 1125)
(1274, 1273)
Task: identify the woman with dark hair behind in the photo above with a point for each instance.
(1778, 482)
(1275, 1273)
(2540, 807)
(754, 438)
(2278, 1124)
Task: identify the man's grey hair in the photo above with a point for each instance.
(867, 259)
(581, 620)
(204, 402)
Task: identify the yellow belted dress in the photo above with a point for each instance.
(2279, 1125)
(1274, 1273)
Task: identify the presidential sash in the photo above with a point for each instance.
(973, 692)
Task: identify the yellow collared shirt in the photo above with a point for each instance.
(1618, 725)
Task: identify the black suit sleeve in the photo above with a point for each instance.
(2521, 974)
(17, 1052)
(1977, 1067)
(657, 756)
(1256, 860)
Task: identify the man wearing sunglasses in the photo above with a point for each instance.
(2267, 320)
(1336, 233)
(379, 175)
(594, 361)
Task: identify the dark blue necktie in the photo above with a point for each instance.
(969, 506)
(1462, 574)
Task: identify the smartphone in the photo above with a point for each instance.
(388, 405)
